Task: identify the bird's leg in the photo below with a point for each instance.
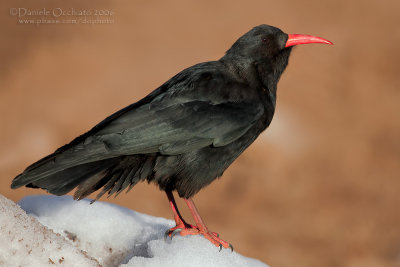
(202, 228)
(184, 228)
(180, 222)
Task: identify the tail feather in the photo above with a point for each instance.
(91, 185)
(129, 180)
(79, 155)
(62, 182)
(118, 184)
(110, 184)
(113, 175)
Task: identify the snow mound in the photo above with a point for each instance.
(25, 242)
(110, 234)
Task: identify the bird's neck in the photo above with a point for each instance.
(243, 68)
(270, 71)
(262, 74)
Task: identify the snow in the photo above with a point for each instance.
(65, 232)
(25, 242)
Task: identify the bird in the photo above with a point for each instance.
(183, 135)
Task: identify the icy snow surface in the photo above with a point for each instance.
(25, 242)
(85, 235)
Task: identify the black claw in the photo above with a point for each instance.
(178, 230)
(231, 247)
(166, 235)
(220, 247)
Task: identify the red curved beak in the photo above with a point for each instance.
(296, 39)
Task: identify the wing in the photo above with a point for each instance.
(177, 128)
(196, 108)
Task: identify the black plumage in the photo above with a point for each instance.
(181, 136)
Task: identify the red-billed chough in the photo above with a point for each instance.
(183, 135)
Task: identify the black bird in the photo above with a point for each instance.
(181, 136)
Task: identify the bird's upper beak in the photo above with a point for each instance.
(296, 39)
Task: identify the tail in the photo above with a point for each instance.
(113, 174)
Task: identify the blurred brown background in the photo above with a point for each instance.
(319, 188)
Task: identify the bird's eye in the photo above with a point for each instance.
(264, 40)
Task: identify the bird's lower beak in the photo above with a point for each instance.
(296, 39)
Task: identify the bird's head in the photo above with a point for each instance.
(267, 46)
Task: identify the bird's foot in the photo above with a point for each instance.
(214, 238)
(184, 230)
(177, 229)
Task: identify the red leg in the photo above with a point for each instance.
(184, 228)
(202, 228)
(177, 215)
(180, 222)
